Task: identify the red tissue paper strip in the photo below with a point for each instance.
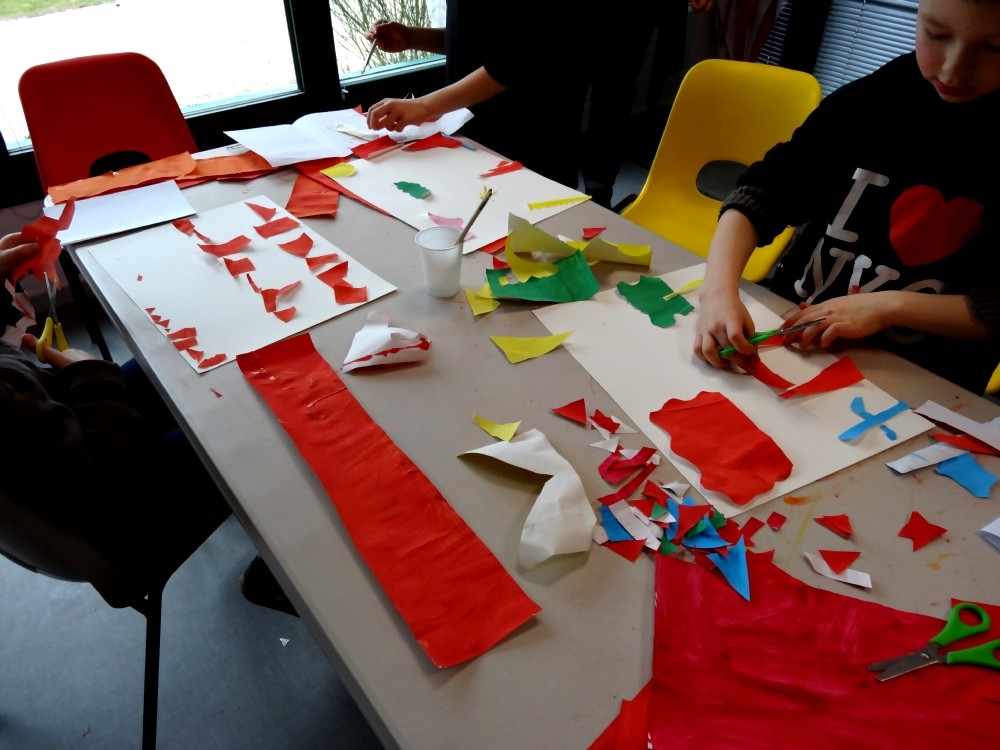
(790, 669)
(455, 596)
(734, 456)
(840, 374)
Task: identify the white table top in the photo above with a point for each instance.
(558, 681)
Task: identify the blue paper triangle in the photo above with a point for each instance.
(734, 567)
(613, 527)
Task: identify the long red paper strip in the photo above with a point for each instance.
(840, 374)
(790, 669)
(734, 456)
(455, 596)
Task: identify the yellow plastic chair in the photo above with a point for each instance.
(724, 111)
(994, 385)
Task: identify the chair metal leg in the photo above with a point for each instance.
(151, 680)
(83, 303)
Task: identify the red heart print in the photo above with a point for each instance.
(924, 227)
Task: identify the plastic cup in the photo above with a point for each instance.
(441, 258)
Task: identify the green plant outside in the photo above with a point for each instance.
(357, 17)
(31, 8)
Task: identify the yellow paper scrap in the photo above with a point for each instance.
(557, 202)
(517, 348)
(523, 240)
(497, 430)
(344, 169)
(481, 302)
(686, 288)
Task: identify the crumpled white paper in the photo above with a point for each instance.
(378, 344)
(561, 520)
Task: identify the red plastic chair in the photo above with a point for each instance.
(90, 115)
(85, 110)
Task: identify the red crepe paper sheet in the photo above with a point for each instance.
(43, 231)
(840, 374)
(733, 455)
(236, 166)
(839, 560)
(839, 525)
(790, 669)
(628, 731)
(312, 198)
(455, 596)
(920, 530)
(575, 410)
(160, 170)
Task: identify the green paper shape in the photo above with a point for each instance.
(698, 528)
(667, 547)
(658, 511)
(412, 188)
(718, 520)
(573, 281)
(647, 294)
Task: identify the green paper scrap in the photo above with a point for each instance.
(718, 520)
(573, 281)
(647, 294)
(667, 547)
(412, 188)
(698, 528)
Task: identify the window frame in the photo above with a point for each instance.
(310, 30)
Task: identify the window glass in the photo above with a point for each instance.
(861, 36)
(212, 52)
(353, 18)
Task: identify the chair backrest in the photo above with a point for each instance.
(84, 110)
(726, 112)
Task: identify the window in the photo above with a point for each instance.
(861, 36)
(231, 63)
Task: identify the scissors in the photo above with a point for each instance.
(765, 335)
(53, 328)
(983, 655)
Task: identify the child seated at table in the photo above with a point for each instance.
(892, 182)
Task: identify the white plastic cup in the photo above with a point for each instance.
(441, 258)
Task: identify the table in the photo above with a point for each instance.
(558, 681)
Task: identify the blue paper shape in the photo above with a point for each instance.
(868, 421)
(734, 567)
(613, 527)
(707, 538)
(965, 470)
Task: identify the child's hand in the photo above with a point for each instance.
(389, 36)
(855, 316)
(396, 114)
(723, 321)
(54, 357)
(14, 252)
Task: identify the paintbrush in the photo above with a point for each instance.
(479, 210)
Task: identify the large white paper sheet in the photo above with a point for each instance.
(104, 215)
(164, 271)
(453, 177)
(641, 366)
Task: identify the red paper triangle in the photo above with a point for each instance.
(840, 525)
(575, 410)
(630, 549)
(920, 530)
(689, 516)
(839, 560)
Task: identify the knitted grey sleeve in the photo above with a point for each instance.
(985, 305)
(752, 202)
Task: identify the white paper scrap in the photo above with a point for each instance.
(985, 432)
(929, 456)
(634, 526)
(379, 344)
(561, 520)
(991, 533)
(851, 576)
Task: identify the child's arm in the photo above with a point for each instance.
(723, 319)
(392, 36)
(396, 114)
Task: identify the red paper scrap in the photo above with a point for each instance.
(436, 140)
(604, 421)
(575, 410)
(628, 731)
(318, 261)
(500, 263)
(840, 525)
(503, 167)
(627, 490)
(185, 344)
(840, 374)
(270, 296)
(455, 596)
(813, 689)
(184, 225)
(285, 315)
(373, 148)
(310, 197)
(630, 549)
(966, 443)
(236, 266)
(226, 248)
(183, 333)
(265, 212)
(734, 456)
(751, 527)
(345, 294)
(590, 232)
(212, 361)
(278, 226)
(839, 560)
(655, 491)
(920, 530)
(298, 247)
(689, 516)
(495, 246)
(776, 520)
(43, 231)
(334, 276)
(753, 366)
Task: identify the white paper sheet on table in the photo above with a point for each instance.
(642, 366)
(453, 177)
(322, 135)
(991, 533)
(104, 215)
(164, 269)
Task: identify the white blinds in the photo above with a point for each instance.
(862, 35)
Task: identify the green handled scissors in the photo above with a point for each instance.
(765, 335)
(983, 655)
(53, 328)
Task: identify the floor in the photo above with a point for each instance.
(233, 675)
